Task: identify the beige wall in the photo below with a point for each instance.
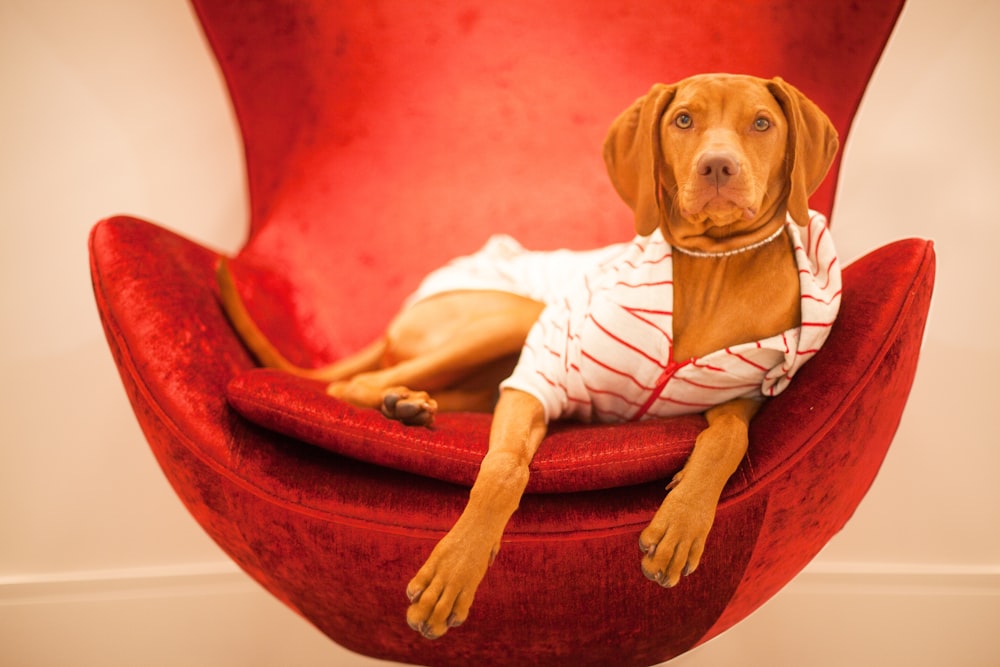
(111, 106)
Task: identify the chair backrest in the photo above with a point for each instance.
(383, 138)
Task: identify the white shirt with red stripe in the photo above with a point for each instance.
(603, 352)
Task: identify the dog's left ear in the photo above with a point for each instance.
(812, 145)
(634, 157)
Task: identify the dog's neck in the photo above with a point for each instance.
(753, 293)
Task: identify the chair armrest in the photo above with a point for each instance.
(170, 339)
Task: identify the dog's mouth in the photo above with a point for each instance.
(716, 212)
(718, 205)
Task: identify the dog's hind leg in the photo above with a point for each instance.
(367, 359)
(464, 366)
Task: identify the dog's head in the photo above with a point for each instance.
(717, 160)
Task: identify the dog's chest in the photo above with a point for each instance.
(623, 356)
(652, 302)
(721, 303)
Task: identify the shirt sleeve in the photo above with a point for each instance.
(543, 370)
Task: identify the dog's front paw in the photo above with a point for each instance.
(674, 541)
(442, 592)
(413, 408)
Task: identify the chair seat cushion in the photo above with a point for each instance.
(576, 457)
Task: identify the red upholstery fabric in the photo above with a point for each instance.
(382, 139)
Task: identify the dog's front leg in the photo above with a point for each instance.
(675, 539)
(442, 592)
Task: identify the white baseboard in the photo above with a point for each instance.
(212, 614)
(841, 578)
(190, 579)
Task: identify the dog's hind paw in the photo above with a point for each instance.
(413, 408)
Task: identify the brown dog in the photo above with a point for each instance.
(712, 166)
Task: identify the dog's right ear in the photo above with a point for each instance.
(634, 156)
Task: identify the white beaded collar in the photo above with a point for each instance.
(734, 251)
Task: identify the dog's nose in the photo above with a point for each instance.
(718, 166)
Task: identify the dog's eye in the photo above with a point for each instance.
(683, 121)
(761, 124)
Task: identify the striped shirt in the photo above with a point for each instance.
(603, 351)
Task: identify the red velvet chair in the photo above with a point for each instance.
(381, 140)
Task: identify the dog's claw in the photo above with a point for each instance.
(659, 577)
(648, 549)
